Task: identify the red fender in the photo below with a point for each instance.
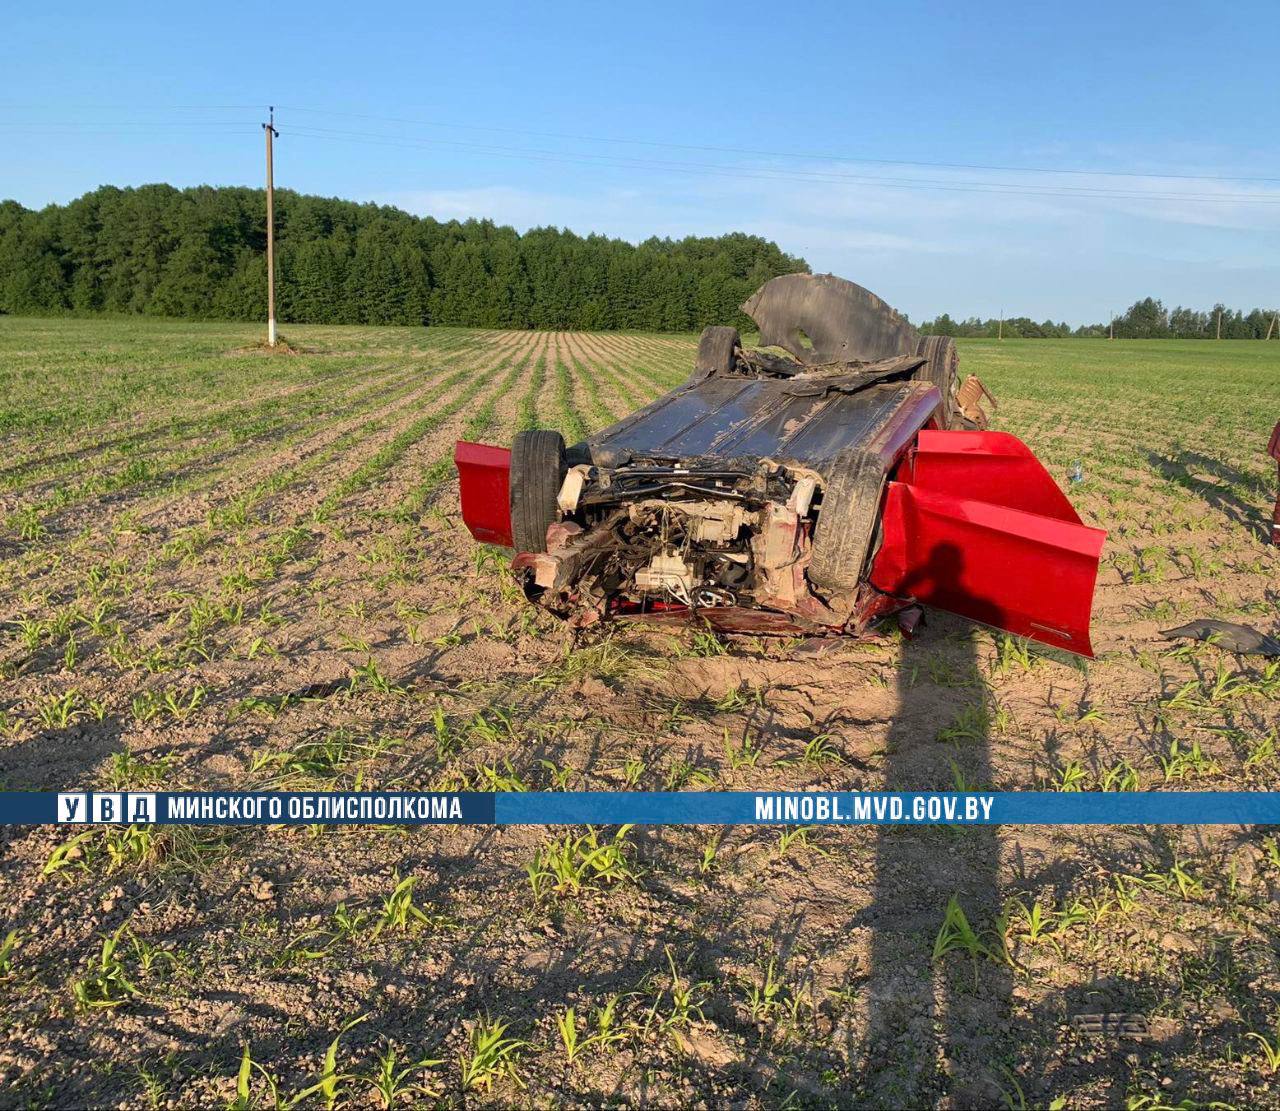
(975, 525)
(484, 475)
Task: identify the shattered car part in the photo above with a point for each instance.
(801, 494)
(1241, 639)
(968, 397)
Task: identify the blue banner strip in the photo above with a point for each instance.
(885, 808)
(641, 808)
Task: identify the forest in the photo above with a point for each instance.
(200, 253)
(1144, 319)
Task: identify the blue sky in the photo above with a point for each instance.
(830, 122)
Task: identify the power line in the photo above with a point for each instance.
(671, 144)
(767, 173)
(1058, 190)
(819, 157)
(127, 126)
(157, 109)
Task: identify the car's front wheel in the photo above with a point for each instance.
(537, 472)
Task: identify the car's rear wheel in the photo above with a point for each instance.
(716, 347)
(942, 367)
(537, 472)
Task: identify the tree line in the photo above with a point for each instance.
(200, 253)
(1145, 319)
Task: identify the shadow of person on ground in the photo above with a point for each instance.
(937, 1029)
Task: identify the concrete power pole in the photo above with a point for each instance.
(270, 129)
(1271, 325)
(1219, 335)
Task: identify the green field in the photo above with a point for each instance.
(223, 568)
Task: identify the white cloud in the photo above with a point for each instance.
(505, 204)
(959, 247)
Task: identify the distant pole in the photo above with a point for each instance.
(1271, 324)
(1219, 335)
(1112, 333)
(270, 129)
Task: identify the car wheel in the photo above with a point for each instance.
(846, 521)
(537, 472)
(716, 347)
(942, 369)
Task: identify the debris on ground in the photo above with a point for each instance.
(1241, 639)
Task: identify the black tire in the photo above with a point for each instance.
(846, 521)
(537, 473)
(942, 369)
(716, 347)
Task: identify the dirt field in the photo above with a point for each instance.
(223, 569)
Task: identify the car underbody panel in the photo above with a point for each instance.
(804, 421)
(796, 496)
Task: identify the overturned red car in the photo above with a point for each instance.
(841, 473)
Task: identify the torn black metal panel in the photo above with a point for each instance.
(842, 321)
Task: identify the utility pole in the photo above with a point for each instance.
(270, 129)
(1219, 335)
(1112, 334)
(1271, 325)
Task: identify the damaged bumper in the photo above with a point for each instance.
(969, 522)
